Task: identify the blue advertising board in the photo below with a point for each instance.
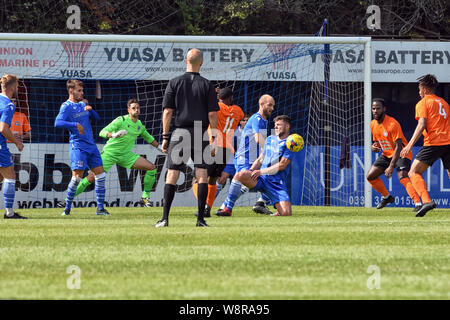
(347, 184)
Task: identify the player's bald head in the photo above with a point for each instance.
(266, 99)
(266, 105)
(194, 57)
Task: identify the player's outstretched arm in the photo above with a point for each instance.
(61, 119)
(421, 125)
(148, 137)
(60, 123)
(277, 167)
(113, 128)
(150, 140)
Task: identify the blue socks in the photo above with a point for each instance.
(100, 190)
(219, 188)
(71, 190)
(233, 194)
(9, 191)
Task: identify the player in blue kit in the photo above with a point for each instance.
(10, 85)
(269, 172)
(75, 115)
(252, 140)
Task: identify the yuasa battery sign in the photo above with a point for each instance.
(392, 61)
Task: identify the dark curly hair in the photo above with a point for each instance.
(428, 81)
(380, 100)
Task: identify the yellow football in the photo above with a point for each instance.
(295, 142)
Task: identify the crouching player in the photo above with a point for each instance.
(269, 172)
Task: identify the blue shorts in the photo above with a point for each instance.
(82, 159)
(5, 156)
(275, 190)
(230, 169)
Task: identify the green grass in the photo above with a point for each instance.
(318, 253)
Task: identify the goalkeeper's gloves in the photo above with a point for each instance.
(119, 134)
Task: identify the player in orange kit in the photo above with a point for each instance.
(228, 118)
(388, 136)
(433, 115)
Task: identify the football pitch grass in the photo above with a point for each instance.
(318, 253)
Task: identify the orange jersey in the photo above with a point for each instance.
(228, 118)
(437, 112)
(19, 124)
(386, 133)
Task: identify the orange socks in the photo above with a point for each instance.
(195, 190)
(421, 187)
(378, 185)
(212, 191)
(406, 182)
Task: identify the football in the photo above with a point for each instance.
(295, 142)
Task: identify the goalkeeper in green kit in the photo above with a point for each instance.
(121, 134)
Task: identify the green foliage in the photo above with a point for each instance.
(228, 17)
(104, 26)
(242, 9)
(192, 15)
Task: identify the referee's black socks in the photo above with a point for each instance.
(202, 195)
(169, 194)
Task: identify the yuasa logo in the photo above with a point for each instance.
(76, 51)
(281, 53)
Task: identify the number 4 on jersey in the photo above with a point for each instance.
(442, 110)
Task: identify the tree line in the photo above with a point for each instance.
(397, 18)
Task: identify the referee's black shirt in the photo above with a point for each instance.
(192, 97)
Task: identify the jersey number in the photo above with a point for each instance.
(442, 111)
(228, 125)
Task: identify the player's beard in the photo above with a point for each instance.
(15, 94)
(378, 117)
(267, 113)
(281, 133)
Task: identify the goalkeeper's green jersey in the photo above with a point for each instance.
(126, 143)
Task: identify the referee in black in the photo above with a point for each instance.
(193, 100)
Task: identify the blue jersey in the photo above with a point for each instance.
(274, 149)
(248, 150)
(7, 109)
(69, 115)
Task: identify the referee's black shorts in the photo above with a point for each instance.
(429, 154)
(185, 145)
(220, 161)
(383, 162)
